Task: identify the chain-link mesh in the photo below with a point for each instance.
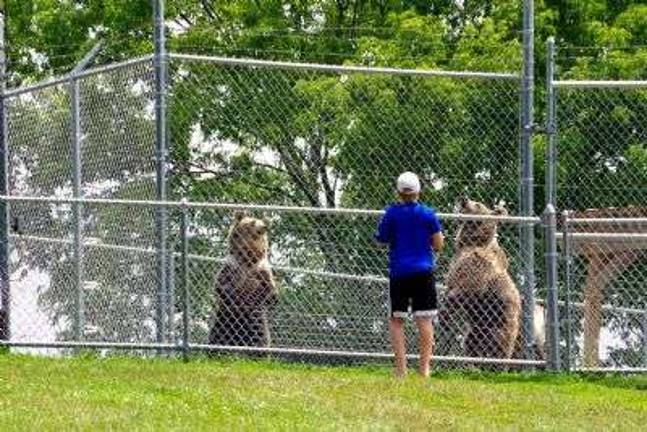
(325, 290)
(116, 129)
(330, 288)
(104, 289)
(601, 141)
(39, 136)
(601, 174)
(119, 274)
(40, 264)
(261, 133)
(114, 136)
(118, 133)
(604, 288)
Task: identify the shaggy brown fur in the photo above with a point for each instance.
(245, 287)
(480, 292)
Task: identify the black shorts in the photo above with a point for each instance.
(417, 291)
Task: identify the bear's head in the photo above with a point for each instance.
(478, 233)
(248, 239)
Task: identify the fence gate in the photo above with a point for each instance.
(601, 183)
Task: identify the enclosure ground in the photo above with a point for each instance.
(229, 394)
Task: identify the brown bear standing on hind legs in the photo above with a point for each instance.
(481, 295)
(245, 287)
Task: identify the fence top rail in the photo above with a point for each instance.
(256, 207)
(615, 221)
(593, 84)
(601, 237)
(76, 75)
(341, 68)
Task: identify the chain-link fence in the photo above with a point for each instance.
(335, 136)
(104, 115)
(325, 294)
(605, 320)
(600, 172)
(312, 152)
(113, 299)
(601, 144)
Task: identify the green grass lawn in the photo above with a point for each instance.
(138, 394)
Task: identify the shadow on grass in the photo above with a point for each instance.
(612, 380)
(381, 367)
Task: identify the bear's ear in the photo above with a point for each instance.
(499, 209)
(460, 204)
(239, 215)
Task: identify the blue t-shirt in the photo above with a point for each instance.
(407, 228)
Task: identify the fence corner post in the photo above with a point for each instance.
(550, 256)
(526, 181)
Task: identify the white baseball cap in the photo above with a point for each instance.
(408, 182)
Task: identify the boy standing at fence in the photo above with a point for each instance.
(413, 233)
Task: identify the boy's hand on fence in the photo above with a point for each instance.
(438, 242)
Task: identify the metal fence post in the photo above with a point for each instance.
(170, 275)
(526, 195)
(5, 289)
(170, 295)
(551, 124)
(550, 254)
(184, 280)
(160, 60)
(568, 263)
(77, 209)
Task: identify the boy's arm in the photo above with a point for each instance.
(437, 241)
(383, 233)
(437, 236)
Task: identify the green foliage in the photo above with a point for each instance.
(50, 36)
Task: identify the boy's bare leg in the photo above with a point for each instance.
(426, 343)
(396, 328)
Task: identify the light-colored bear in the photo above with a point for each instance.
(482, 298)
